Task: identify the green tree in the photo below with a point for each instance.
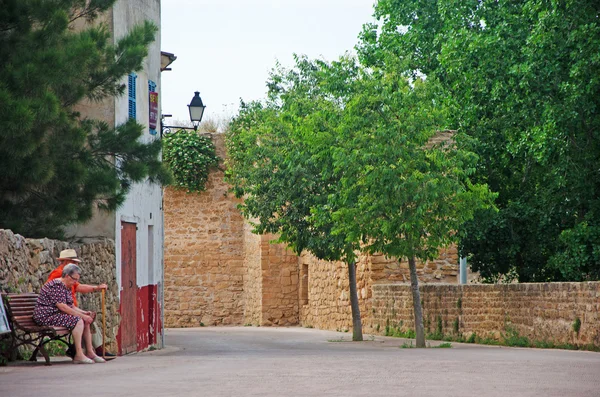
(522, 79)
(338, 162)
(55, 164)
(274, 163)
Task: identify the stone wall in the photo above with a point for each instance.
(443, 269)
(252, 277)
(204, 254)
(541, 312)
(279, 275)
(26, 263)
(328, 303)
(218, 272)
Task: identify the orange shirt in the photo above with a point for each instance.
(57, 273)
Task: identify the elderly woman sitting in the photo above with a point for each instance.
(55, 307)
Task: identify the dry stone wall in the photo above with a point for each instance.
(541, 312)
(26, 263)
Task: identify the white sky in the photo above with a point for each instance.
(226, 48)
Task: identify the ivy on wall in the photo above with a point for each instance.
(190, 157)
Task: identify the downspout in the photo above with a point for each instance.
(463, 270)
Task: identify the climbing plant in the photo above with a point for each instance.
(190, 157)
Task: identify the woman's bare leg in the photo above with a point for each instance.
(77, 335)
(87, 338)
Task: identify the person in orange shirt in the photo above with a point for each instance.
(70, 256)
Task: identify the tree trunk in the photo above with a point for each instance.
(356, 323)
(414, 285)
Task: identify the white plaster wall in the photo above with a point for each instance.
(143, 205)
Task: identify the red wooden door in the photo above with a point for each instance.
(128, 331)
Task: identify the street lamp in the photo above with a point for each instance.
(196, 108)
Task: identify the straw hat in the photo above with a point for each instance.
(68, 254)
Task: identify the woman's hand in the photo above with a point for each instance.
(87, 319)
(102, 286)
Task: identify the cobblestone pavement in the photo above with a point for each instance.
(249, 361)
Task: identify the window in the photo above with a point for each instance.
(132, 95)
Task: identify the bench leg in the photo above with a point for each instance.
(39, 348)
(34, 354)
(45, 354)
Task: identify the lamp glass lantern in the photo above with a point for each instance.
(196, 108)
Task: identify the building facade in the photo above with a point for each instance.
(137, 226)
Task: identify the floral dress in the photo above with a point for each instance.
(46, 312)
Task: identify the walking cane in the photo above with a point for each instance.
(103, 324)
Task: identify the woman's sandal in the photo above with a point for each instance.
(98, 359)
(84, 361)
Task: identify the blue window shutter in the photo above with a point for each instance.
(132, 95)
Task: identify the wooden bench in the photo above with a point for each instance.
(19, 309)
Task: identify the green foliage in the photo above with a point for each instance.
(339, 160)
(280, 161)
(512, 338)
(579, 259)
(576, 325)
(399, 332)
(55, 348)
(190, 157)
(444, 345)
(55, 165)
(455, 326)
(439, 329)
(472, 338)
(488, 340)
(522, 79)
(545, 344)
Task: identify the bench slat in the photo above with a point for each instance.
(22, 303)
(23, 311)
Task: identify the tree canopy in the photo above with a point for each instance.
(55, 164)
(339, 161)
(522, 79)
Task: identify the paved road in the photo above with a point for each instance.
(249, 361)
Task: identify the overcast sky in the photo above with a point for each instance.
(226, 48)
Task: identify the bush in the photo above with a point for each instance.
(190, 157)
